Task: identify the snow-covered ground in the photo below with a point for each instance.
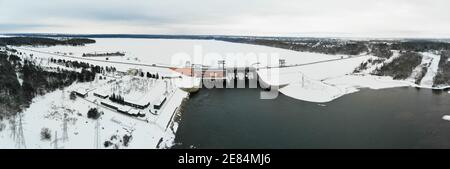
(48, 112)
(327, 81)
(180, 53)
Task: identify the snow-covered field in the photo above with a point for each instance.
(433, 61)
(176, 52)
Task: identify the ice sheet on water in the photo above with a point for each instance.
(446, 117)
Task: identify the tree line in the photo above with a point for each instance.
(379, 48)
(16, 95)
(83, 65)
(41, 41)
(401, 67)
(443, 75)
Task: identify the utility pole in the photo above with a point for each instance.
(303, 80)
(222, 62)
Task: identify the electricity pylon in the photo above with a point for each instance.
(65, 137)
(97, 134)
(20, 140)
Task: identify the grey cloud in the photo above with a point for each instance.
(21, 26)
(287, 17)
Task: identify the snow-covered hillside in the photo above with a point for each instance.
(433, 66)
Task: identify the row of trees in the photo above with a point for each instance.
(103, 54)
(400, 68)
(117, 98)
(83, 65)
(71, 64)
(443, 75)
(40, 41)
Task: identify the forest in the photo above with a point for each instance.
(334, 47)
(379, 48)
(22, 80)
(401, 67)
(42, 41)
(443, 75)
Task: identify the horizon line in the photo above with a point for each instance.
(219, 35)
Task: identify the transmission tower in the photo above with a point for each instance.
(55, 141)
(20, 140)
(97, 134)
(13, 127)
(65, 137)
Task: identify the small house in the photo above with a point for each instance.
(101, 95)
(159, 103)
(109, 105)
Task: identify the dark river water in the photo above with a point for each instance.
(390, 118)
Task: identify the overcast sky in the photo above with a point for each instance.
(342, 18)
